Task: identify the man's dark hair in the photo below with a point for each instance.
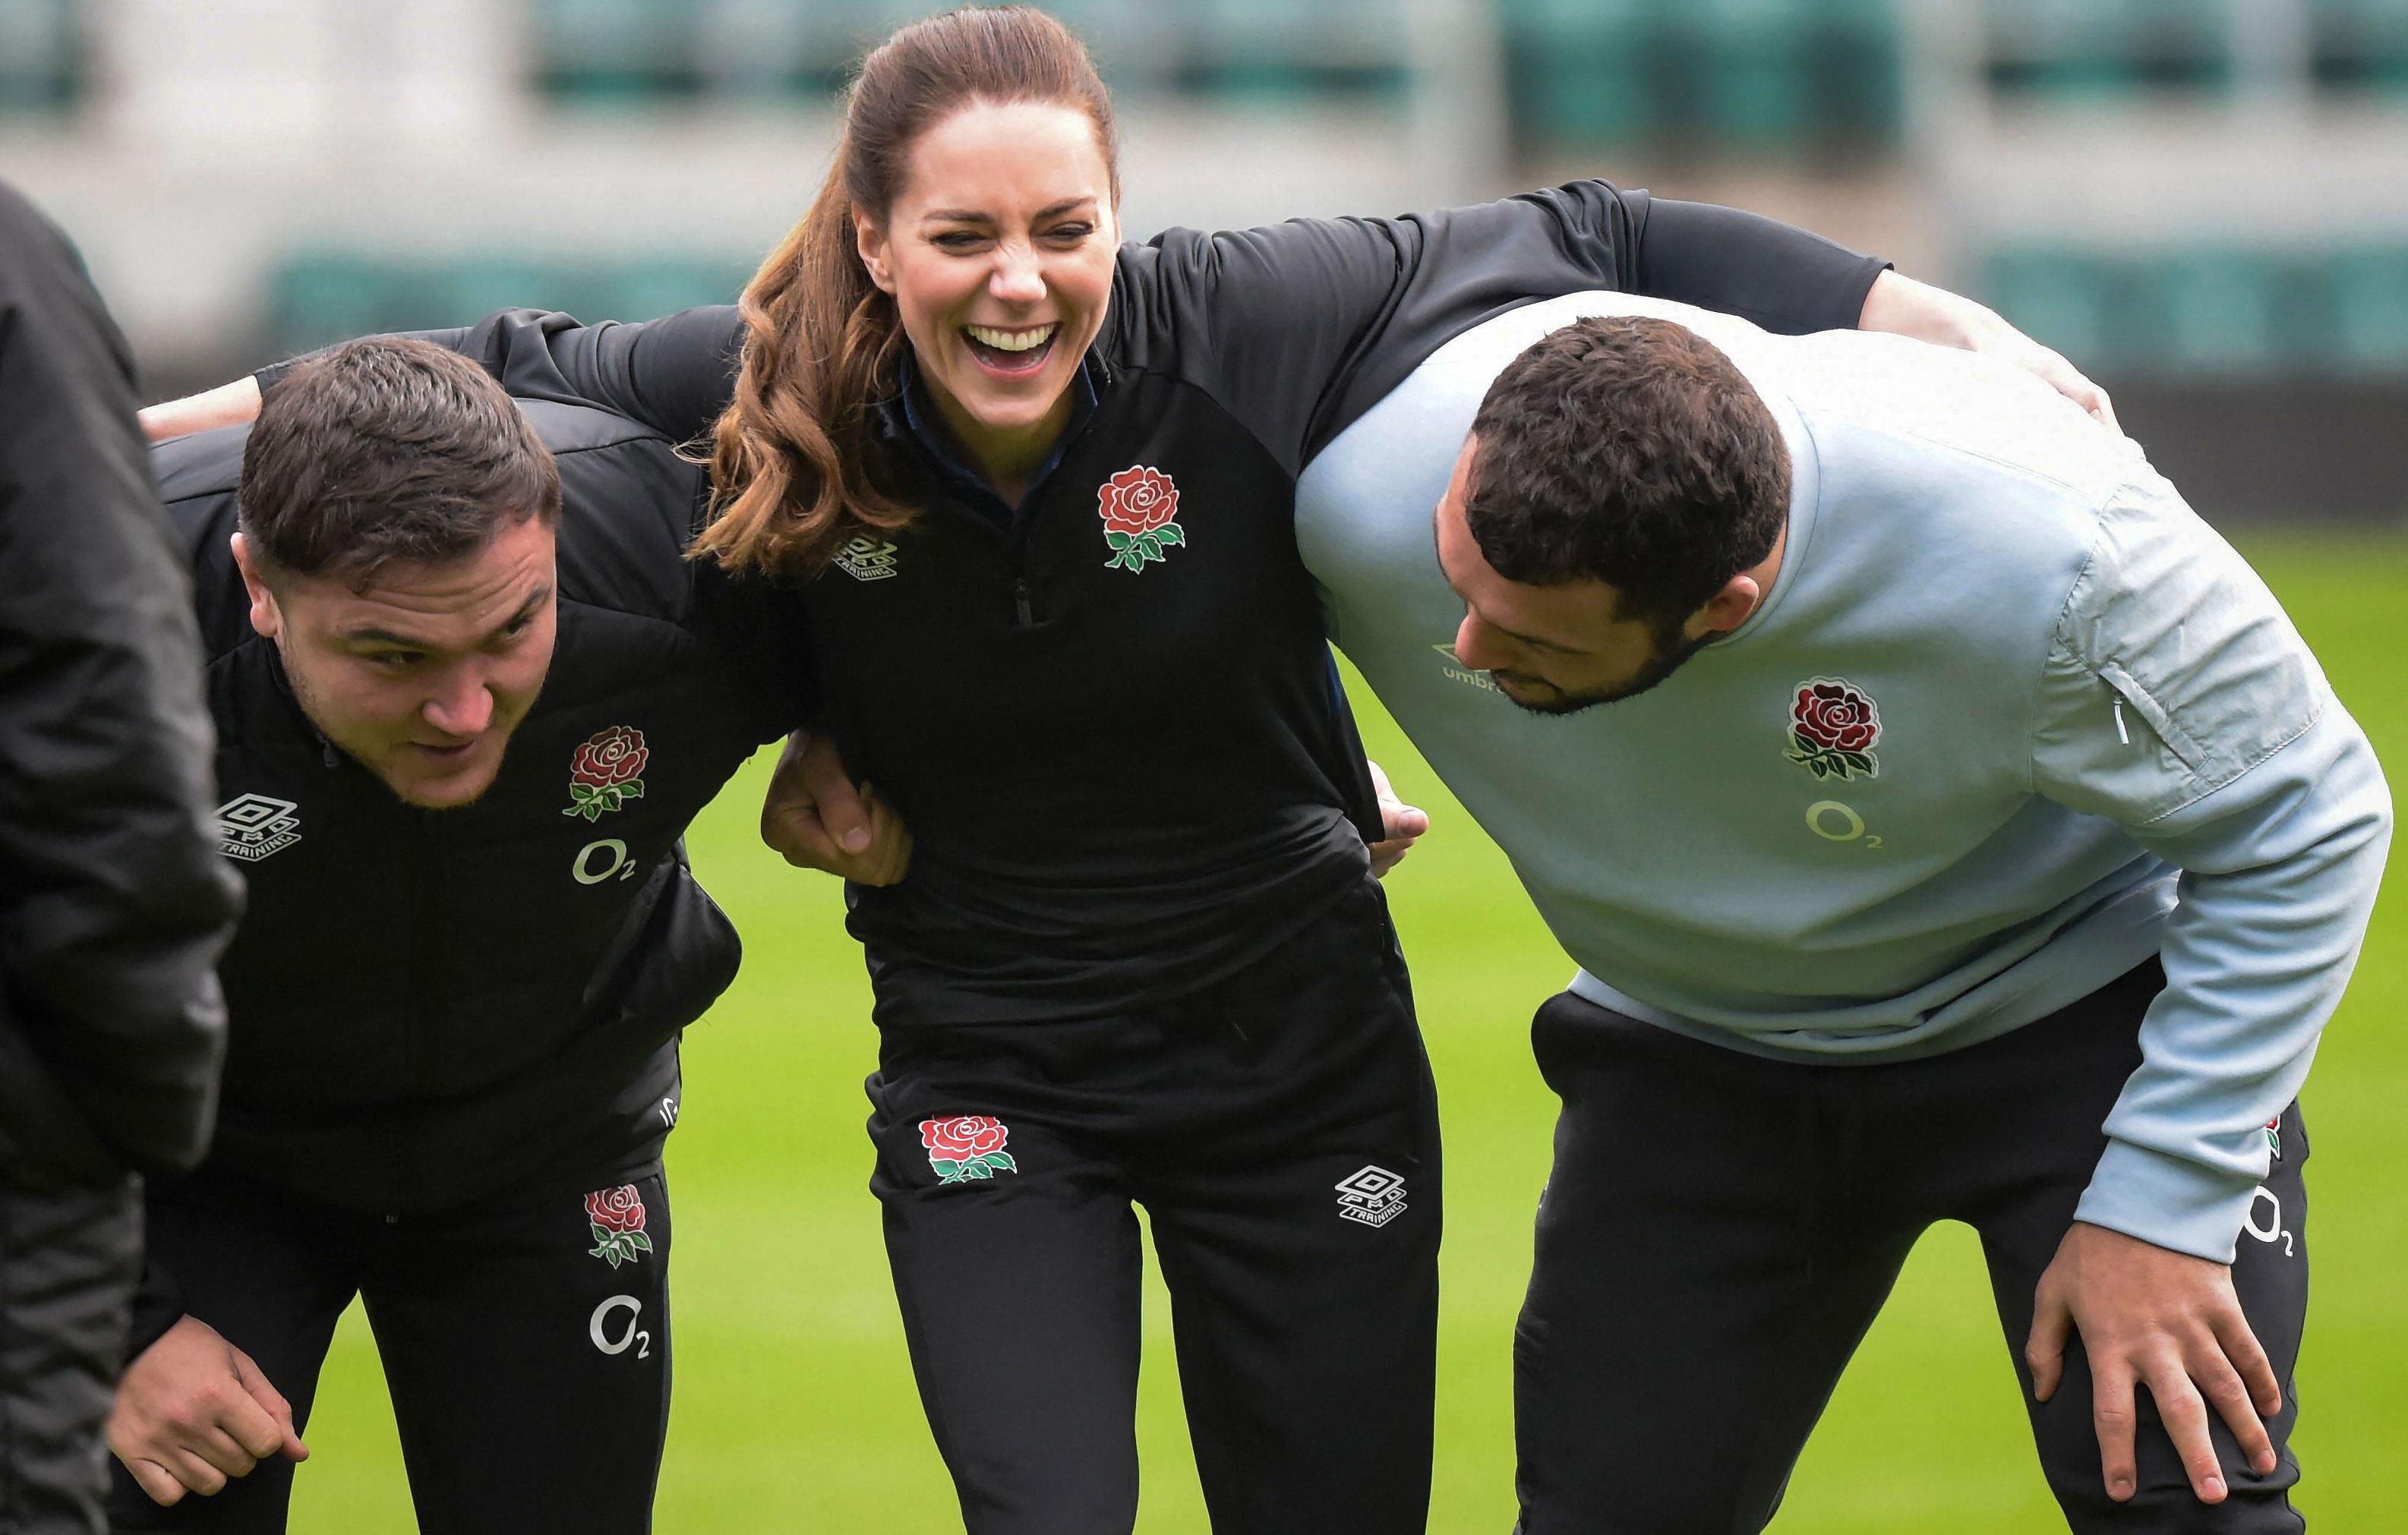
(1626, 450)
(387, 449)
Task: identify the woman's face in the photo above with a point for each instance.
(998, 252)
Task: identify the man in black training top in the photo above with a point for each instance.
(471, 693)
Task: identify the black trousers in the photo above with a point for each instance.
(1281, 1134)
(1720, 1229)
(529, 1372)
(68, 1258)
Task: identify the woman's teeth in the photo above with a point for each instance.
(1011, 341)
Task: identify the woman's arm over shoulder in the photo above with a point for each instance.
(1279, 323)
(675, 375)
(1307, 323)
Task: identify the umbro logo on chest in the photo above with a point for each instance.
(865, 559)
(252, 827)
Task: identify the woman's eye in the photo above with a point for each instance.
(958, 240)
(1069, 233)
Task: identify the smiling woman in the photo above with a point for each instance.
(974, 208)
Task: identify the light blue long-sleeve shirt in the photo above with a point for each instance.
(2098, 739)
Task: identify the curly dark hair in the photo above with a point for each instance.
(388, 449)
(1628, 450)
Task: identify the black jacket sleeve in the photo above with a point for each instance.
(674, 375)
(1307, 324)
(1759, 269)
(114, 902)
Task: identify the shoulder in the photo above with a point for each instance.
(628, 510)
(197, 478)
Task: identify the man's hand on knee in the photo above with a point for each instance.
(2151, 1316)
(194, 1411)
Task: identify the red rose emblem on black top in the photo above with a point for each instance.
(617, 1217)
(606, 772)
(1833, 726)
(963, 1148)
(615, 757)
(1138, 499)
(619, 1209)
(1140, 507)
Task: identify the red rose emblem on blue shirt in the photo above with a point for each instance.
(1833, 726)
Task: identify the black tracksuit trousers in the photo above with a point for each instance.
(1281, 1131)
(69, 1256)
(529, 1372)
(1719, 1231)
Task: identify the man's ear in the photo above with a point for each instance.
(869, 239)
(1726, 610)
(264, 616)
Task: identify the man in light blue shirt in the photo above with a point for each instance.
(1974, 838)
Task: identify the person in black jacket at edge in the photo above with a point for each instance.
(1041, 486)
(113, 902)
(470, 691)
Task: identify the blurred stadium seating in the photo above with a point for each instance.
(41, 63)
(2206, 311)
(2078, 163)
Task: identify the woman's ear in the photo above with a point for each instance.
(869, 239)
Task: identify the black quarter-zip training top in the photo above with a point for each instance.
(1108, 715)
(427, 1005)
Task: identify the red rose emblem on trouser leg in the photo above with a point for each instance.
(966, 1146)
(1140, 507)
(1833, 728)
(617, 1216)
(606, 772)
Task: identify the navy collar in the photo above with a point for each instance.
(927, 429)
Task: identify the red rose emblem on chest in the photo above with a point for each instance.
(964, 1148)
(606, 772)
(1833, 726)
(1141, 510)
(617, 1217)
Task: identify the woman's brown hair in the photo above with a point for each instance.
(796, 468)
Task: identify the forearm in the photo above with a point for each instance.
(228, 405)
(2279, 879)
(674, 375)
(1762, 270)
(1903, 306)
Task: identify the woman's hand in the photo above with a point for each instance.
(1904, 307)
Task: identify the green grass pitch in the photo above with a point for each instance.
(794, 1407)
